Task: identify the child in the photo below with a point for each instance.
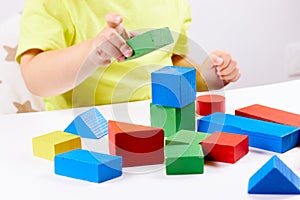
(72, 52)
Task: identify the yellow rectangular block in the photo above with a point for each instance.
(48, 145)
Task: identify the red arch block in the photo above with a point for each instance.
(138, 145)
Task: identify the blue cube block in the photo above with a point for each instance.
(89, 166)
(90, 124)
(274, 177)
(173, 86)
(264, 135)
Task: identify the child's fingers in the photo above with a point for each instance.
(121, 45)
(228, 69)
(113, 20)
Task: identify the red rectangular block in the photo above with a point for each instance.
(138, 145)
(265, 113)
(225, 147)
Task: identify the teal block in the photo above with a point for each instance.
(186, 137)
(173, 119)
(173, 86)
(184, 159)
(274, 177)
(149, 41)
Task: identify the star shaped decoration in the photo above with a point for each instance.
(1, 82)
(24, 108)
(11, 53)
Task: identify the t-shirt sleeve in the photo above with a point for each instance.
(182, 44)
(44, 25)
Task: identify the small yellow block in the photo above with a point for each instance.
(48, 145)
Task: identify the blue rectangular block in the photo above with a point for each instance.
(89, 124)
(89, 166)
(264, 135)
(173, 86)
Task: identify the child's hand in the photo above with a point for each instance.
(226, 66)
(111, 42)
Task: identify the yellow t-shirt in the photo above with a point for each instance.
(58, 24)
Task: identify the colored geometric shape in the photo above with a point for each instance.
(184, 159)
(265, 113)
(274, 177)
(149, 41)
(48, 145)
(173, 86)
(90, 124)
(225, 147)
(264, 135)
(138, 145)
(173, 119)
(89, 166)
(186, 137)
(208, 104)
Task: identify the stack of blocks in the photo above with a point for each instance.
(173, 109)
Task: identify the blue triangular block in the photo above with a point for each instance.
(274, 178)
(90, 124)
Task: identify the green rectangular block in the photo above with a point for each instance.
(149, 41)
(173, 119)
(185, 137)
(184, 159)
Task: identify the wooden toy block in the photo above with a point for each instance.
(138, 145)
(210, 103)
(173, 119)
(265, 113)
(225, 147)
(89, 166)
(186, 137)
(48, 145)
(274, 177)
(264, 135)
(149, 41)
(173, 86)
(90, 124)
(184, 159)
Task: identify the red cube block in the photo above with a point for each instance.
(138, 145)
(225, 147)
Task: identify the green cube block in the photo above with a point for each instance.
(149, 41)
(184, 159)
(186, 137)
(173, 119)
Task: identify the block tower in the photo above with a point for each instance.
(173, 99)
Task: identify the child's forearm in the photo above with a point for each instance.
(54, 72)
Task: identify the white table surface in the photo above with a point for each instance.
(24, 176)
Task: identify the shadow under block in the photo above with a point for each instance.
(138, 145)
(225, 147)
(173, 86)
(173, 119)
(90, 124)
(265, 113)
(210, 103)
(89, 166)
(48, 145)
(274, 177)
(263, 135)
(186, 137)
(184, 159)
(149, 41)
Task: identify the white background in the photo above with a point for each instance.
(263, 35)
